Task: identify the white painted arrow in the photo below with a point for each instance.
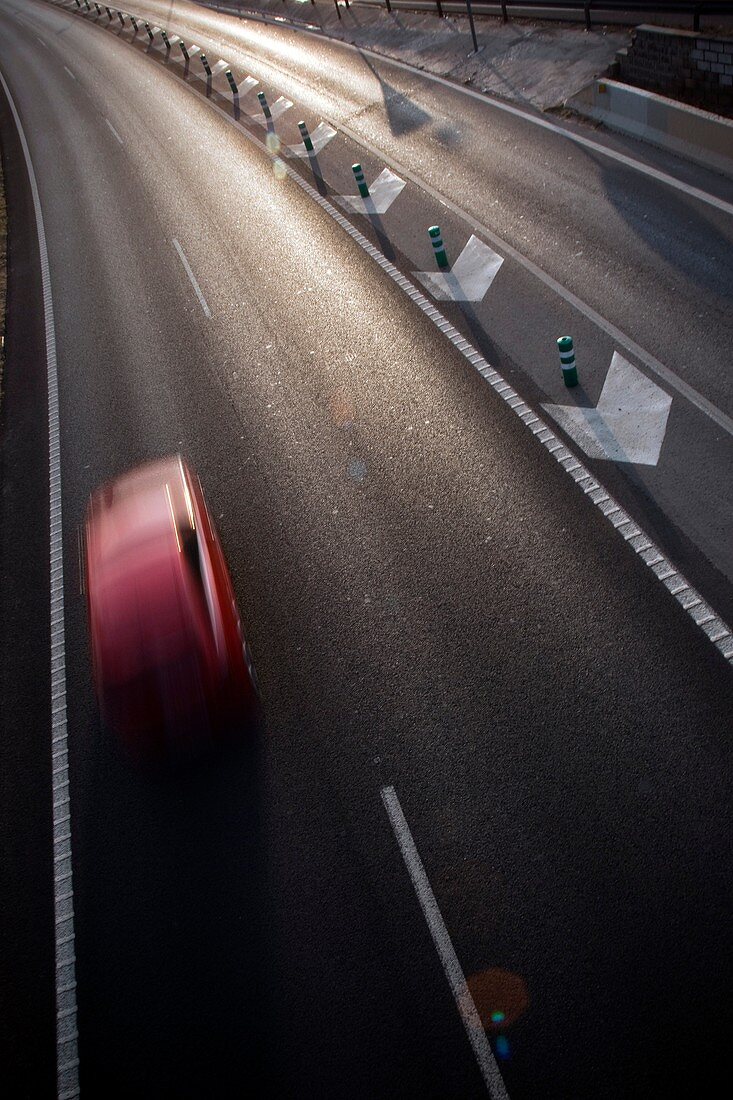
(382, 193)
(469, 277)
(246, 85)
(628, 423)
(320, 138)
(276, 109)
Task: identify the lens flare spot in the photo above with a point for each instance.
(502, 1046)
(500, 997)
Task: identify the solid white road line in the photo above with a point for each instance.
(69, 72)
(446, 952)
(535, 120)
(654, 365)
(192, 277)
(67, 1055)
(649, 361)
(718, 632)
(114, 131)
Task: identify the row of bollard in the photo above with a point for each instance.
(565, 345)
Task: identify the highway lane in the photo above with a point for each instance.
(651, 261)
(400, 548)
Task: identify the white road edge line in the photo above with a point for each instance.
(114, 131)
(67, 1046)
(684, 389)
(192, 277)
(718, 632)
(499, 105)
(69, 72)
(443, 945)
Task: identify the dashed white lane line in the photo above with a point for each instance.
(69, 72)
(44, 44)
(192, 277)
(67, 1054)
(443, 945)
(114, 131)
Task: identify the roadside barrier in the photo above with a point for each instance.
(232, 82)
(360, 181)
(567, 360)
(306, 137)
(436, 241)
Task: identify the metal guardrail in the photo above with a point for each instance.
(588, 8)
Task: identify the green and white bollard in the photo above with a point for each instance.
(165, 39)
(360, 181)
(232, 82)
(567, 360)
(184, 51)
(109, 13)
(99, 10)
(121, 18)
(133, 20)
(264, 105)
(150, 33)
(78, 3)
(205, 63)
(306, 137)
(436, 241)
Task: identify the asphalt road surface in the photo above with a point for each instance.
(433, 606)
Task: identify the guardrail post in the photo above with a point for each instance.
(439, 6)
(504, 16)
(587, 15)
(338, 9)
(389, 6)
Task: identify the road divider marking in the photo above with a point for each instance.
(629, 422)
(67, 1050)
(271, 113)
(318, 140)
(443, 945)
(192, 277)
(114, 131)
(718, 632)
(379, 195)
(469, 278)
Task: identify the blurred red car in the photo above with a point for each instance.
(172, 669)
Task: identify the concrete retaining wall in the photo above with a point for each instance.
(697, 135)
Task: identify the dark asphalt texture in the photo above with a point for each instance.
(431, 603)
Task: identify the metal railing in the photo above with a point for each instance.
(587, 8)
